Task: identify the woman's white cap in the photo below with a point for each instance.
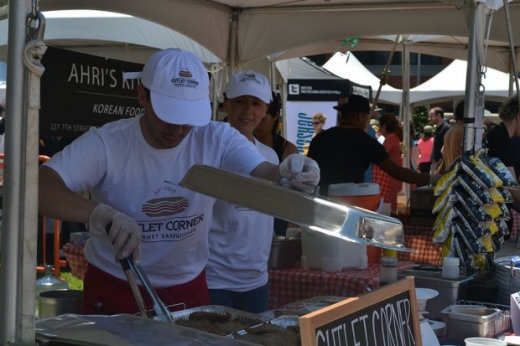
(249, 83)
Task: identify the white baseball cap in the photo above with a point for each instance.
(179, 87)
(249, 83)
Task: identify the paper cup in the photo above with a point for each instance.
(484, 341)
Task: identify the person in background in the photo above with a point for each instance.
(437, 119)
(424, 149)
(240, 238)
(374, 115)
(133, 168)
(318, 121)
(393, 132)
(266, 132)
(453, 140)
(345, 151)
(499, 144)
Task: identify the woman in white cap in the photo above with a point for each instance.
(240, 238)
(133, 167)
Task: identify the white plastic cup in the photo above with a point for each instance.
(450, 267)
(484, 341)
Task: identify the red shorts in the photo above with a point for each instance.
(105, 294)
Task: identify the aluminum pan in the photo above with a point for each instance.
(122, 330)
(318, 214)
(242, 316)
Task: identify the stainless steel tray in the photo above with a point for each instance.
(318, 214)
(121, 330)
(303, 307)
(286, 321)
(239, 315)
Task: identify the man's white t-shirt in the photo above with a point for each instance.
(239, 243)
(122, 170)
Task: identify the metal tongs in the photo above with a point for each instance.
(128, 266)
(160, 309)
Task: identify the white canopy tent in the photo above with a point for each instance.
(346, 65)
(239, 32)
(450, 84)
(110, 35)
(236, 31)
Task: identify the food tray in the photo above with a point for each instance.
(242, 316)
(305, 306)
(286, 321)
(492, 322)
(503, 321)
(275, 313)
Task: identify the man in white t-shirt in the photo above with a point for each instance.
(133, 167)
(240, 238)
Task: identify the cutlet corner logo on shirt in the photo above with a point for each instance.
(168, 222)
(165, 206)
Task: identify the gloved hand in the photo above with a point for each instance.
(301, 172)
(124, 231)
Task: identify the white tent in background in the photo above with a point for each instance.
(110, 35)
(347, 66)
(450, 84)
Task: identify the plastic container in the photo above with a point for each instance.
(450, 268)
(48, 282)
(484, 341)
(388, 270)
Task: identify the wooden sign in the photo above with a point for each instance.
(386, 316)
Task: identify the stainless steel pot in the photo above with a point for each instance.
(508, 278)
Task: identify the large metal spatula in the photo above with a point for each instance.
(318, 214)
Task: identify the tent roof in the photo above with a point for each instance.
(450, 83)
(278, 27)
(111, 35)
(303, 68)
(349, 67)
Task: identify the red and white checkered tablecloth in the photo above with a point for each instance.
(419, 238)
(77, 262)
(383, 179)
(294, 284)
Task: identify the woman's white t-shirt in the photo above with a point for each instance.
(239, 243)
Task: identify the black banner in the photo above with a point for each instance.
(324, 89)
(79, 91)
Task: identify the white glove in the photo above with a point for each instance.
(124, 231)
(301, 172)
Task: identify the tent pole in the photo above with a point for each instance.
(405, 106)
(232, 44)
(472, 80)
(18, 273)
